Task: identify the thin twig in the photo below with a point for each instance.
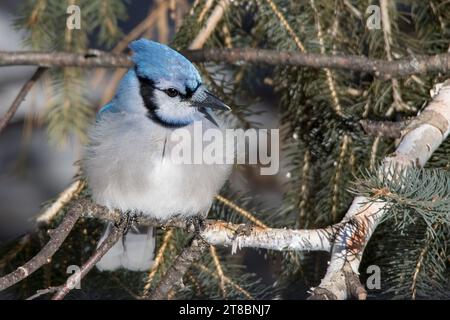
(57, 237)
(42, 292)
(380, 68)
(20, 97)
(179, 267)
(387, 129)
(107, 244)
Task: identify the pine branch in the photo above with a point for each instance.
(20, 97)
(219, 270)
(157, 262)
(399, 104)
(381, 68)
(241, 211)
(330, 77)
(210, 25)
(64, 198)
(227, 280)
(286, 25)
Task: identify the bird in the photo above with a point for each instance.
(127, 161)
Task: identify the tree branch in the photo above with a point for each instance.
(57, 237)
(107, 244)
(388, 129)
(210, 25)
(385, 69)
(178, 268)
(347, 239)
(223, 233)
(420, 139)
(22, 94)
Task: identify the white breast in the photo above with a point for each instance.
(125, 170)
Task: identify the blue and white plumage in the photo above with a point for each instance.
(126, 162)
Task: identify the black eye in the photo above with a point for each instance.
(171, 92)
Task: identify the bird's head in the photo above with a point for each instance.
(169, 84)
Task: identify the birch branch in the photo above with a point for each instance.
(236, 236)
(439, 63)
(420, 139)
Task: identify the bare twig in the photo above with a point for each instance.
(22, 94)
(107, 244)
(179, 267)
(387, 129)
(385, 69)
(42, 292)
(57, 237)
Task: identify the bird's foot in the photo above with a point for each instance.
(196, 224)
(242, 230)
(130, 218)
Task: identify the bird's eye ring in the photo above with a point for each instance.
(171, 92)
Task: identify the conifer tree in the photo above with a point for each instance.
(332, 120)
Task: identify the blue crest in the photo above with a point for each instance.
(162, 64)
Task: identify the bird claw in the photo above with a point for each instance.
(195, 224)
(130, 219)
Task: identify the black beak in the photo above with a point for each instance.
(210, 101)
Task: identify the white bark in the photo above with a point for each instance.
(425, 135)
(241, 236)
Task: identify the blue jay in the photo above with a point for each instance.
(126, 162)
